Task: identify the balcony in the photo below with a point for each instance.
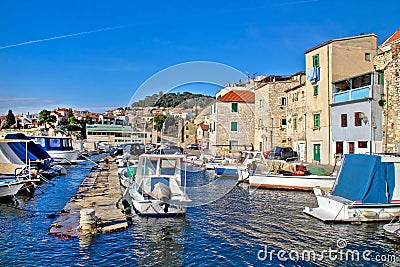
(352, 94)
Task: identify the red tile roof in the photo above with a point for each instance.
(395, 36)
(205, 127)
(238, 96)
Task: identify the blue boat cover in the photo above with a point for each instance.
(35, 151)
(365, 178)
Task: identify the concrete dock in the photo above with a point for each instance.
(100, 191)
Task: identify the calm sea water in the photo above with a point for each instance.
(262, 228)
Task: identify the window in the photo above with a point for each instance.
(260, 123)
(315, 60)
(234, 126)
(283, 122)
(362, 144)
(187, 136)
(211, 128)
(283, 101)
(315, 90)
(339, 147)
(357, 119)
(351, 147)
(260, 103)
(234, 107)
(294, 123)
(367, 56)
(343, 120)
(317, 121)
(233, 145)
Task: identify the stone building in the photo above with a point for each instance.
(295, 115)
(388, 62)
(187, 133)
(331, 61)
(232, 123)
(271, 110)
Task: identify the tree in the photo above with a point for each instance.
(45, 118)
(10, 119)
(159, 122)
(71, 118)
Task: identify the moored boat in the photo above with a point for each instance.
(275, 174)
(158, 189)
(245, 161)
(59, 148)
(367, 189)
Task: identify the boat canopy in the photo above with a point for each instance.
(365, 178)
(7, 154)
(35, 152)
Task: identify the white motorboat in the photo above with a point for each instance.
(59, 148)
(230, 169)
(9, 188)
(367, 189)
(158, 189)
(286, 175)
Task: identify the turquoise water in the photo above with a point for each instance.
(239, 229)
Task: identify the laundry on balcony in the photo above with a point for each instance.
(313, 74)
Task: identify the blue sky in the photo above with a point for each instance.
(95, 54)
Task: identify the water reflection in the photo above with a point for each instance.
(160, 240)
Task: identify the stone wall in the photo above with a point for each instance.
(388, 61)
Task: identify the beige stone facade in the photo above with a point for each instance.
(388, 62)
(332, 61)
(273, 121)
(232, 124)
(187, 133)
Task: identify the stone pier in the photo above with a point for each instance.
(100, 191)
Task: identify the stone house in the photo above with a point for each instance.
(387, 62)
(331, 61)
(232, 123)
(187, 133)
(271, 110)
(295, 115)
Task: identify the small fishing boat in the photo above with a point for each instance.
(367, 189)
(158, 189)
(15, 177)
(245, 161)
(279, 174)
(59, 148)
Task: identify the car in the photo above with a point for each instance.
(282, 153)
(193, 146)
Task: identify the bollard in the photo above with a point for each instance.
(106, 161)
(87, 223)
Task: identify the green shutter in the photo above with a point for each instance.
(234, 107)
(316, 60)
(381, 78)
(317, 121)
(234, 126)
(315, 90)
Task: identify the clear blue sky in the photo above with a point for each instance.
(101, 69)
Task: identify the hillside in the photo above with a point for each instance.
(185, 100)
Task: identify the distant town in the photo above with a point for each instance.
(345, 101)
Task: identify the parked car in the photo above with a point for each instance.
(282, 153)
(193, 146)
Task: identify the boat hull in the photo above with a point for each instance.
(66, 156)
(341, 210)
(307, 182)
(7, 190)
